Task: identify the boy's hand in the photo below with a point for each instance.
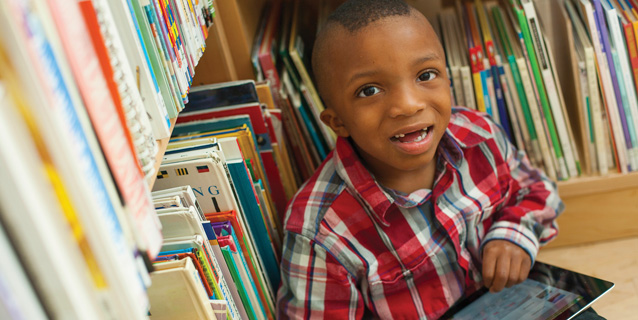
(504, 265)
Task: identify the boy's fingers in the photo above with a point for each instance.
(501, 274)
(515, 272)
(526, 265)
(489, 263)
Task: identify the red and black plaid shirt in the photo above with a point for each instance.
(355, 249)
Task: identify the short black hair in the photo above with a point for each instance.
(356, 14)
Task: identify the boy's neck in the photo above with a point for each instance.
(408, 181)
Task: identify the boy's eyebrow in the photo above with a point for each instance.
(418, 61)
(428, 57)
(361, 75)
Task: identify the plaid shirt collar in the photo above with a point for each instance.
(362, 185)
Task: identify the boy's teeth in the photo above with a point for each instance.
(421, 135)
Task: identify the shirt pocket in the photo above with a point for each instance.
(493, 204)
(393, 294)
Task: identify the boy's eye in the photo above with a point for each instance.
(368, 91)
(427, 76)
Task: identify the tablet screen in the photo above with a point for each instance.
(549, 293)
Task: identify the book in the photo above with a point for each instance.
(154, 56)
(49, 249)
(500, 108)
(543, 100)
(227, 240)
(591, 118)
(626, 82)
(201, 128)
(103, 114)
(76, 165)
(512, 54)
(186, 221)
(617, 136)
(177, 292)
(235, 98)
(302, 31)
(20, 300)
(556, 119)
(118, 14)
(119, 78)
(210, 181)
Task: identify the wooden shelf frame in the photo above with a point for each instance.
(162, 145)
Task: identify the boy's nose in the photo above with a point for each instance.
(407, 102)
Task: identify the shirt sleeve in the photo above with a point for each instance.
(314, 285)
(527, 217)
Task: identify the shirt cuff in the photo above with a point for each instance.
(515, 233)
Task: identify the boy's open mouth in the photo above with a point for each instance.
(410, 137)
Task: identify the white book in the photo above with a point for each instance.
(119, 13)
(186, 222)
(600, 127)
(138, 124)
(551, 88)
(177, 293)
(534, 108)
(68, 128)
(570, 132)
(18, 298)
(593, 109)
(608, 90)
(631, 108)
(462, 52)
(214, 189)
(519, 127)
(39, 228)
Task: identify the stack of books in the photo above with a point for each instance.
(500, 62)
(85, 92)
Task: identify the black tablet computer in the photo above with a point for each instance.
(549, 293)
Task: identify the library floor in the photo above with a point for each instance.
(616, 261)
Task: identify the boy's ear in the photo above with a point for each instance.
(330, 118)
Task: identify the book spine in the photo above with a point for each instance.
(607, 50)
(598, 126)
(534, 108)
(165, 55)
(544, 103)
(109, 129)
(630, 37)
(535, 153)
(551, 89)
(609, 101)
(521, 134)
(631, 107)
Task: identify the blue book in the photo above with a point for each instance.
(224, 231)
(503, 115)
(485, 77)
(251, 210)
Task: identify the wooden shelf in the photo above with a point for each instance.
(597, 184)
(162, 145)
(598, 208)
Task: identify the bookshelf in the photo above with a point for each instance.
(598, 208)
(162, 144)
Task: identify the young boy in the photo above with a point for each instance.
(420, 203)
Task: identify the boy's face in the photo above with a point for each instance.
(386, 87)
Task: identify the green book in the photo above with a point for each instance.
(547, 113)
(511, 58)
(153, 55)
(241, 289)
